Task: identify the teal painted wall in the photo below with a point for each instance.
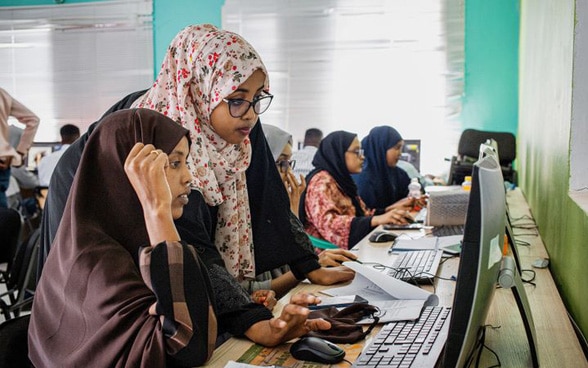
(546, 90)
(169, 17)
(490, 100)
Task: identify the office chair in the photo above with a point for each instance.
(10, 231)
(468, 151)
(21, 282)
(14, 351)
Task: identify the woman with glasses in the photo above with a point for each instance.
(331, 207)
(381, 183)
(280, 143)
(214, 84)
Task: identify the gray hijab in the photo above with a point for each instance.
(277, 139)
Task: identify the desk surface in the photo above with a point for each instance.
(557, 342)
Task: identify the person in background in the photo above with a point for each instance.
(120, 287)
(331, 207)
(280, 143)
(242, 313)
(69, 133)
(304, 156)
(381, 184)
(23, 182)
(13, 155)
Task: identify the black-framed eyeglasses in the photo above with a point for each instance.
(239, 106)
(358, 152)
(284, 164)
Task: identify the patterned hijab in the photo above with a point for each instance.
(202, 66)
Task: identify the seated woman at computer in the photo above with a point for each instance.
(381, 183)
(118, 275)
(331, 207)
(280, 143)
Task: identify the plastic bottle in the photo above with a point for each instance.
(467, 183)
(414, 189)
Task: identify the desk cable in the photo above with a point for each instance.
(482, 345)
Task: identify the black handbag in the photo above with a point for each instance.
(344, 328)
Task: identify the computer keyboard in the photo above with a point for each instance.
(447, 230)
(408, 343)
(416, 265)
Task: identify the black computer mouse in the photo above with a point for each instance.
(382, 236)
(314, 349)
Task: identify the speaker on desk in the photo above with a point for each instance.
(447, 207)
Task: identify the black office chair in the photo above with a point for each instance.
(21, 282)
(468, 151)
(10, 231)
(14, 351)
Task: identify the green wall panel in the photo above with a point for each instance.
(171, 16)
(490, 100)
(546, 90)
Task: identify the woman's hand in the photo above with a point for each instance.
(334, 257)
(265, 297)
(331, 275)
(145, 168)
(293, 322)
(394, 216)
(294, 189)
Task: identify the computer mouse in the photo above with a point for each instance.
(382, 236)
(314, 349)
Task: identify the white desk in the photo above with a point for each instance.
(557, 343)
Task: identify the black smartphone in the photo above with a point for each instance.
(338, 301)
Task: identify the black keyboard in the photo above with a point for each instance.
(416, 264)
(447, 230)
(408, 343)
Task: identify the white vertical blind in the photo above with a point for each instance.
(355, 64)
(69, 63)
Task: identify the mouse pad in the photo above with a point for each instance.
(280, 356)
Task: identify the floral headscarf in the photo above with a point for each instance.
(202, 66)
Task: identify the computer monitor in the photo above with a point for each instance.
(480, 264)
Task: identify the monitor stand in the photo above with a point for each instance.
(513, 244)
(510, 277)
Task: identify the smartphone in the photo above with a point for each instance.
(454, 249)
(338, 301)
(413, 226)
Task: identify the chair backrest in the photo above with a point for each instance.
(470, 140)
(25, 263)
(10, 230)
(14, 350)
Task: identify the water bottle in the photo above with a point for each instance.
(414, 189)
(467, 183)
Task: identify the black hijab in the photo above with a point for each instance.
(330, 157)
(378, 184)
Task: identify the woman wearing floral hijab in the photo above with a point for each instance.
(120, 288)
(214, 83)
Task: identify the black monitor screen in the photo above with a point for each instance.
(480, 262)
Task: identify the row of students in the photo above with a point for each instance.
(121, 283)
(353, 188)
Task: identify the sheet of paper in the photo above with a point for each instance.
(397, 299)
(429, 242)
